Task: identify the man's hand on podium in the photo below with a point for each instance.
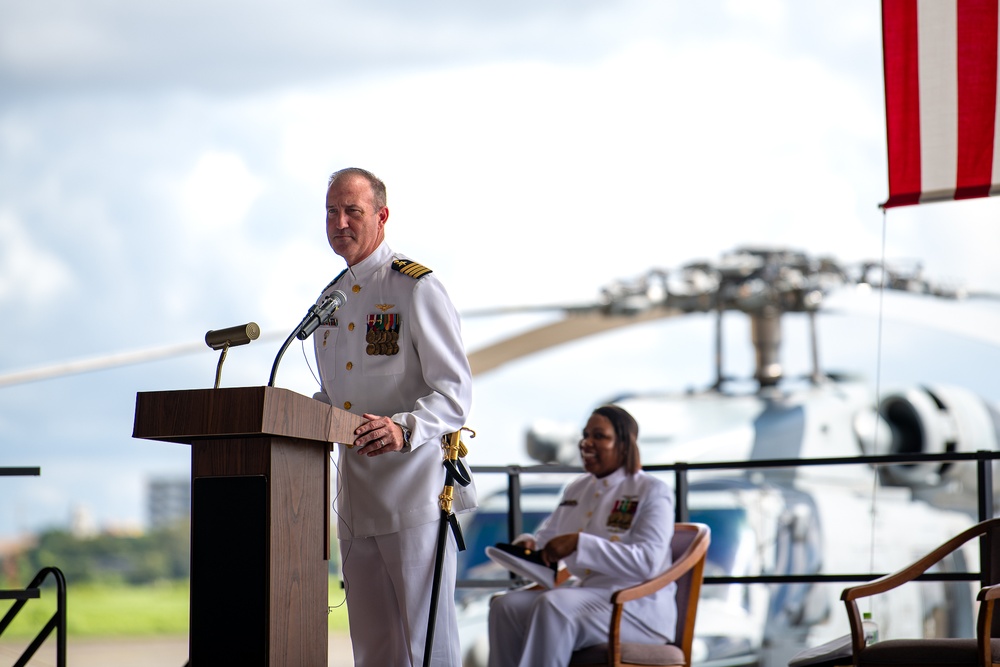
(378, 435)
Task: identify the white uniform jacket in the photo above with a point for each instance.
(395, 349)
(626, 523)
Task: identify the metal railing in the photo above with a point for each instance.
(20, 472)
(57, 622)
(989, 558)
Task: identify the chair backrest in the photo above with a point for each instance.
(690, 541)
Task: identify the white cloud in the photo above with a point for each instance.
(232, 46)
(218, 192)
(293, 277)
(767, 13)
(29, 273)
(70, 39)
(657, 155)
(951, 240)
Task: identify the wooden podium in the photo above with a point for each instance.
(260, 518)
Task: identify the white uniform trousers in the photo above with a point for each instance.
(388, 583)
(535, 628)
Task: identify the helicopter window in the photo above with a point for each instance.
(730, 548)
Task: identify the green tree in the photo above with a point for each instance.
(157, 556)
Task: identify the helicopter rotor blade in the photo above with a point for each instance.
(98, 363)
(106, 362)
(567, 308)
(983, 296)
(572, 327)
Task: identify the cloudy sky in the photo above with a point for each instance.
(163, 168)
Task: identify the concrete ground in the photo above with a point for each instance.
(154, 652)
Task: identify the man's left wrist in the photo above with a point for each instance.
(406, 436)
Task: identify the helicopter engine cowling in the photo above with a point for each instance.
(938, 419)
(553, 442)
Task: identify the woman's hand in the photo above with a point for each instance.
(526, 541)
(559, 547)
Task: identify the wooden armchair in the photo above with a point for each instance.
(689, 547)
(951, 652)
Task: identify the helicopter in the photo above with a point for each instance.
(808, 520)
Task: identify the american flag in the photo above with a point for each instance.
(942, 120)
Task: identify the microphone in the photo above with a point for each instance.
(315, 317)
(233, 336)
(319, 314)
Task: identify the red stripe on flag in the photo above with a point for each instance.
(977, 96)
(902, 100)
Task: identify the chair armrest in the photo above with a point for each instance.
(914, 570)
(694, 555)
(909, 573)
(984, 623)
(989, 593)
(895, 579)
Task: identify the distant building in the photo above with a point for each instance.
(169, 501)
(81, 522)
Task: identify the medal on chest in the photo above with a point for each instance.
(382, 336)
(622, 513)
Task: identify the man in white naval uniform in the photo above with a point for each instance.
(612, 529)
(394, 354)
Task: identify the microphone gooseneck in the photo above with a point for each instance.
(315, 316)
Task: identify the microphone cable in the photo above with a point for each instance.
(343, 556)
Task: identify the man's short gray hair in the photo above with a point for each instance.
(378, 187)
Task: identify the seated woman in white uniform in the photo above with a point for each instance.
(612, 529)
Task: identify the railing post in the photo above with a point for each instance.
(61, 620)
(681, 492)
(515, 521)
(57, 622)
(984, 473)
(988, 567)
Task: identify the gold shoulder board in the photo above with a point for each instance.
(410, 268)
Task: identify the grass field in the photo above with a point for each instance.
(117, 610)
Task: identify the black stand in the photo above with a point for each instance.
(455, 471)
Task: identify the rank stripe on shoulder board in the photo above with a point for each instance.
(410, 268)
